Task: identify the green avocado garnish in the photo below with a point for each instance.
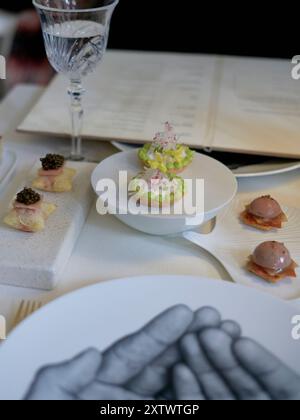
(166, 160)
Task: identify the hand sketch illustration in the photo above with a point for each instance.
(179, 355)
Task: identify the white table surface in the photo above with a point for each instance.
(106, 248)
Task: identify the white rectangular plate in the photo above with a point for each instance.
(36, 260)
(7, 166)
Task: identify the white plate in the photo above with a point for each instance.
(267, 168)
(7, 167)
(220, 189)
(99, 315)
(232, 243)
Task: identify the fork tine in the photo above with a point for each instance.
(30, 308)
(19, 313)
(26, 309)
(33, 307)
(38, 306)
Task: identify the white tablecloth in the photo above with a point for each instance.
(107, 249)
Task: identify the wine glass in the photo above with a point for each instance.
(75, 35)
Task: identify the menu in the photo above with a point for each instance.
(222, 103)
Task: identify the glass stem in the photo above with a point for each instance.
(76, 92)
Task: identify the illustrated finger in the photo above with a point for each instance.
(67, 378)
(231, 328)
(166, 395)
(156, 376)
(212, 384)
(277, 379)
(205, 317)
(185, 384)
(128, 357)
(99, 392)
(218, 348)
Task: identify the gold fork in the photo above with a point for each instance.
(26, 309)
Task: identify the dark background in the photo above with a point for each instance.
(252, 28)
(269, 29)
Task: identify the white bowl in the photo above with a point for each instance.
(220, 190)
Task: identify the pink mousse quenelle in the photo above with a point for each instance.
(272, 262)
(264, 213)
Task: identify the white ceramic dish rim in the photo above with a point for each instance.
(116, 281)
(282, 170)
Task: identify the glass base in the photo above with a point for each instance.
(66, 153)
(75, 158)
(87, 156)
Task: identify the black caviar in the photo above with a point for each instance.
(28, 197)
(52, 162)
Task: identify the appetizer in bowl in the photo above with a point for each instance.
(166, 153)
(54, 176)
(29, 212)
(264, 213)
(272, 262)
(154, 188)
